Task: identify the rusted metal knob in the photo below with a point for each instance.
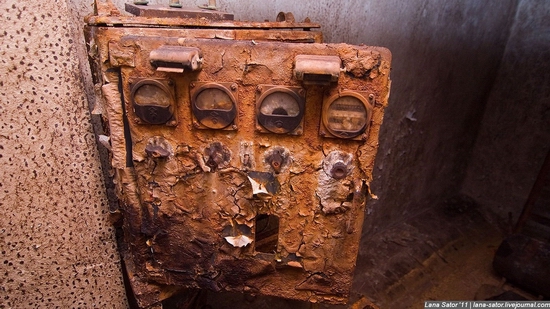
(276, 159)
(276, 162)
(214, 160)
(338, 164)
(217, 155)
(156, 151)
(339, 170)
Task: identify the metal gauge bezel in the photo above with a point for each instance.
(280, 124)
(328, 131)
(146, 114)
(214, 119)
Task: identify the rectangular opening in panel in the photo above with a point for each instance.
(267, 233)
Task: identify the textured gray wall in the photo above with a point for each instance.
(515, 133)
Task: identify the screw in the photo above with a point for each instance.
(301, 92)
(191, 85)
(364, 136)
(259, 88)
(322, 133)
(172, 123)
(170, 83)
(233, 86)
(196, 125)
(371, 97)
(234, 127)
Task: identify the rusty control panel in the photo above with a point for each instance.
(241, 151)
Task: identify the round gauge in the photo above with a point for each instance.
(346, 116)
(152, 101)
(214, 106)
(280, 110)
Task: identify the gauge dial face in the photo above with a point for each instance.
(214, 107)
(280, 103)
(152, 101)
(346, 117)
(150, 94)
(280, 110)
(213, 99)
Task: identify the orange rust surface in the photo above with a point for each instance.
(188, 223)
(193, 22)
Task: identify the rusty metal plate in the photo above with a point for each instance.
(246, 209)
(160, 10)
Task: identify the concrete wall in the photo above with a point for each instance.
(57, 244)
(514, 137)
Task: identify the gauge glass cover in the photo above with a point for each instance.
(280, 103)
(346, 116)
(150, 94)
(213, 99)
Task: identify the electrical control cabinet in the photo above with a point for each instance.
(242, 152)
